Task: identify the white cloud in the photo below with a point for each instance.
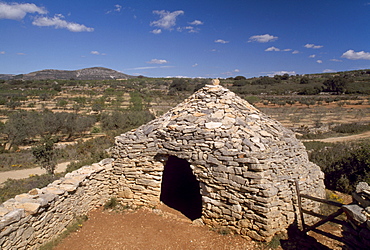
(157, 61)
(282, 73)
(190, 29)
(196, 22)
(352, 55)
(295, 52)
(17, 11)
(336, 60)
(156, 31)
(221, 41)
(151, 67)
(94, 52)
(21, 54)
(328, 71)
(231, 73)
(2, 52)
(139, 68)
(167, 19)
(263, 38)
(59, 23)
(319, 61)
(277, 49)
(313, 46)
(118, 8)
(312, 56)
(195, 65)
(272, 49)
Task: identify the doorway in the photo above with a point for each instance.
(180, 189)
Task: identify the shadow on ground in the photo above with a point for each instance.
(299, 240)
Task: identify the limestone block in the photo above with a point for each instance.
(27, 233)
(126, 193)
(212, 201)
(216, 82)
(257, 167)
(3, 211)
(68, 187)
(30, 208)
(146, 182)
(11, 217)
(238, 179)
(270, 192)
(355, 212)
(213, 125)
(53, 190)
(362, 186)
(253, 175)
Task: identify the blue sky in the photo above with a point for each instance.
(190, 38)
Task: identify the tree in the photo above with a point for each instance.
(136, 102)
(45, 155)
(180, 84)
(13, 104)
(237, 78)
(304, 80)
(20, 125)
(336, 84)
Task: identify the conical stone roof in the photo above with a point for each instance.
(245, 161)
(217, 119)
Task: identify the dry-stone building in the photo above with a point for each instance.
(214, 157)
(218, 158)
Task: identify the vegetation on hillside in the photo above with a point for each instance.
(38, 115)
(344, 164)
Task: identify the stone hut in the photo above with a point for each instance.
(218, 158)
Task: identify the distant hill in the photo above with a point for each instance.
(6, 76)
(95, 73)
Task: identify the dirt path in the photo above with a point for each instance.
(25, 173)
(344, 138)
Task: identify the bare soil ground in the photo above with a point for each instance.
(165, 228)
(161, 228)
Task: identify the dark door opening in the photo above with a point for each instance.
(180, 189)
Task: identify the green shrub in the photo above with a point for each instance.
(352, 128)
(11, 187)
(96, 130)
(344, 164)
(111, 203)
(252, 99)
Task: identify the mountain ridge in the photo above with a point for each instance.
(93, 73)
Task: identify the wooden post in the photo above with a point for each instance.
(300, 204)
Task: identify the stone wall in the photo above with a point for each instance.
(34, 218)
(357, 233)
